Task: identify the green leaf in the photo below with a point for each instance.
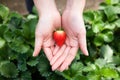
(94, 77)
(116, 60)
(31, 16)
(107, 52)
(8, 35)
(108, 1)
(29, 29)
(117, 78)
(15, 14)
(97, 27)
(118, 69)
(76, 67)
(15, 22)
(19, 46)
(116, 9)
(8, 69)
(109, 26)
(55, 76)
(110, 13)
(90, 32)
(90, 67)
(92, 50)
(102, 6)
(109, 73)
(98, 40)
(3, 28)
(112, 1)
(22, 64)
(89, 16)
(108, 36)
(80, 78)
(2, 42)
(117, 22)
(4, 12)
(98, 16)
(44, 66)
(12, 55)
(105, 36)
(75, 70)
(110, 65)
(66, 74)
(26, 76)
(33, 62)
(77, 57)
(100, 62)
(34, 10)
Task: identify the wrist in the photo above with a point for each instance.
(75, 5)
(48, 13)
(45, 6)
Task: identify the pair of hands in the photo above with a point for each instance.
(60, 57)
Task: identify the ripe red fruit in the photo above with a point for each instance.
(59, 37)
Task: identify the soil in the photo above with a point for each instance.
(20, 6)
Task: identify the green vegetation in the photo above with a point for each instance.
(103, 39)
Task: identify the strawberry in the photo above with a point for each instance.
(59, 37)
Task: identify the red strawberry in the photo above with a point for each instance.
(59, 37)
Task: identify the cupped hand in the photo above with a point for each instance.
(73, 24)
(44, 31)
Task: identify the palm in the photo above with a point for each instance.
(43, 35)
(73, 25)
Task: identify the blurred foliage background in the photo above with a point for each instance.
(20, 6)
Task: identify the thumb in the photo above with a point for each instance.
(38, 44)
(82, 44)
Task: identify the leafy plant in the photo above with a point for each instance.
(17, 44)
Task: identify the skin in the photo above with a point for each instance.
(46, 25)
(72, 22)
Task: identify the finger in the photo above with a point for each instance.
(48, 42)
(59, 53)
(38, 44)
(66, 68)
(60, 70)
(56, 49)
(67, 41)
(52, 45)
(48, 53)
(61, 59)
(69, 58)
(52, 48)
(82, 44)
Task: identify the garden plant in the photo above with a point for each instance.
(103, 40)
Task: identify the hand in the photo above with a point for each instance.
(44, 31)
(73, 24)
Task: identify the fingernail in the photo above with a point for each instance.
(34, 55)
(87, 54)
(62, 69)
(53, 68)
(52, 61)
(66, 68)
